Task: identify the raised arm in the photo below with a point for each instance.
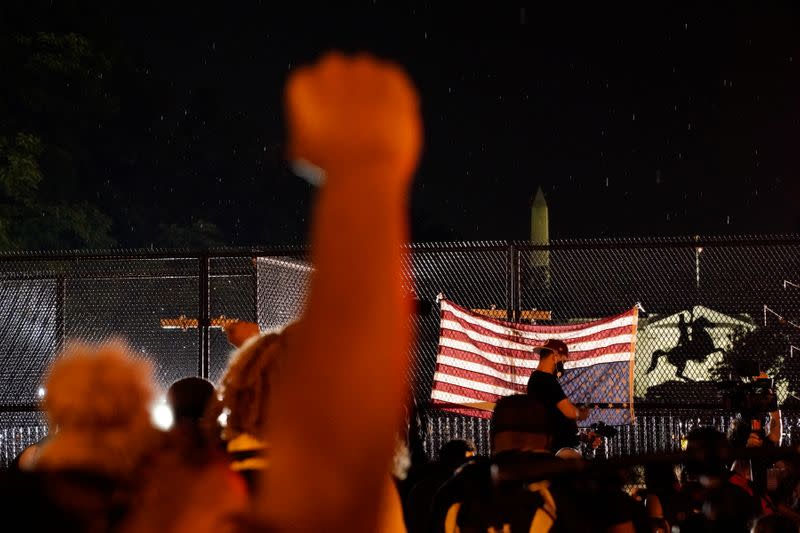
(339, 402)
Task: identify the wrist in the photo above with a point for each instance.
(377, 173)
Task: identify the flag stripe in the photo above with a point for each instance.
(522, 362)
(480, 384)
(482, 359)
(468, 392)
(458, 365)
(451, 321)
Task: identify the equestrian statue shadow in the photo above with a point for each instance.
(696, 346)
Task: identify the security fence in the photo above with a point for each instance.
(709, 308)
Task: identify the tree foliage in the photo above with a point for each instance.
(767, 348)
(55, 91)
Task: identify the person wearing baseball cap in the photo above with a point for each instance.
(544, 386)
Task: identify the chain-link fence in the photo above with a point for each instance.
(708, 308)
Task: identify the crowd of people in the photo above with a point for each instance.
(305, 430)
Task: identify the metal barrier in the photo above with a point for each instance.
(708, 305)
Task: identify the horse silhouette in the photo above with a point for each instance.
(695, 347)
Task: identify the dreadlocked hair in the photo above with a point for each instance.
(246, 385)
(97, 401)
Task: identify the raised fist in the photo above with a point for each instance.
(346, 114)
(238, 332)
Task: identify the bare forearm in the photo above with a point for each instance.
(339, 407)
(570, 410)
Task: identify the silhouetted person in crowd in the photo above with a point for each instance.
(98, 408)
(708, 501)
(188, 484)
(194, 405)
(246, 387)
(419, 501)
(774, 523)
(513, 491)
(544, 386)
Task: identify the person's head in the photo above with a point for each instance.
(521, 423)
(553, 348)
(455, 453)
(552, 356)
(245, 387)
(98, 400)
(706, 446)
(189, 399)
(660, 477)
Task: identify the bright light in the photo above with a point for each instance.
(161, 415)
(223, 417)
(40, 392)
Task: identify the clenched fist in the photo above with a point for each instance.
(238, 332)
(354, 113)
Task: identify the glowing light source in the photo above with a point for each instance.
(223, 417)
(40, 393)
(161, 416)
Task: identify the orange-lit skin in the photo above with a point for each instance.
(340, 399)
(238, 332)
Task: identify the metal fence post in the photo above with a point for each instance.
(513, 285)
(60, 329)
(255, 288)
(203, 322)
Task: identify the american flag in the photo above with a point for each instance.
(481, 359)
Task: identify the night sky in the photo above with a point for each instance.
(632, 122)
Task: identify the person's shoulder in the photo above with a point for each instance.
(476, 466)
(542, 377)
(475, 472)
(538, 379)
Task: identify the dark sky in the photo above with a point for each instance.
(633, 122)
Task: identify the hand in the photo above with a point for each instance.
(592, 439)
(582, 413)
(346, 113)
(238, 332)
(754, 440)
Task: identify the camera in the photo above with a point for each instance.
(602, 430)
(750, 398)
(749, 395)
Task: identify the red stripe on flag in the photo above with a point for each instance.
(478, 396)
(479, 377)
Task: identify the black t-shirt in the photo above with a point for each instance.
(546, 388)
(581, 505)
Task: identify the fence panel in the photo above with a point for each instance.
(232, 295)
(709, 307)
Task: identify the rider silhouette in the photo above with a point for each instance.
(683, 338)
(695, 346)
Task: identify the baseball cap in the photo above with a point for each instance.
(553, 345)
(521, 413)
